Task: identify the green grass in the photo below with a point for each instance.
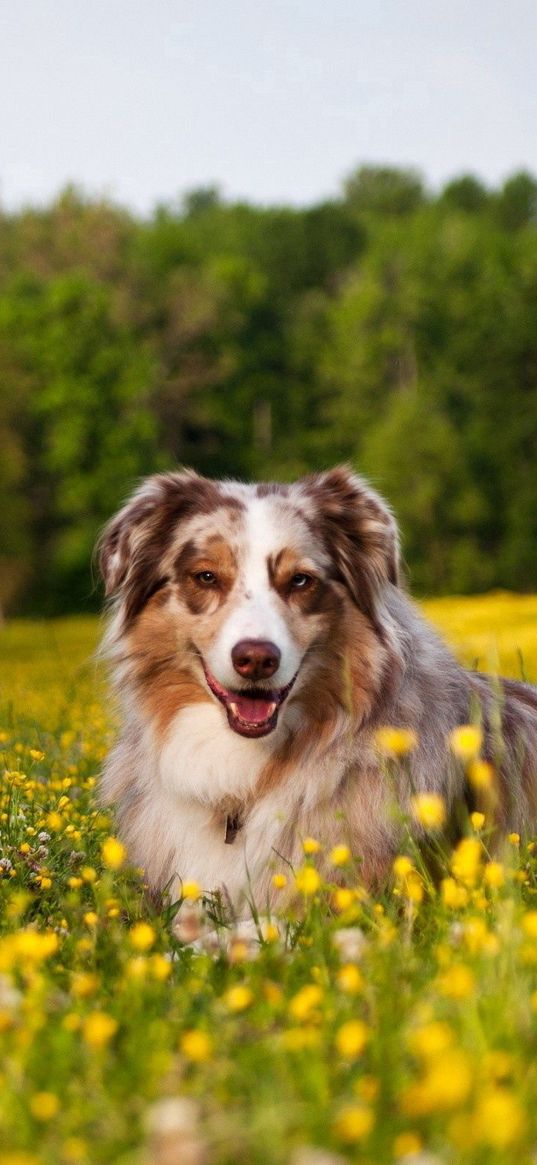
(374, 1029)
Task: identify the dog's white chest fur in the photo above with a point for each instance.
(202, 760)
(202, 769)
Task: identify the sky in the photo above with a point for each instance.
(272, 100)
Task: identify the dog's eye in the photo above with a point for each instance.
(206, 578)
(300, 581)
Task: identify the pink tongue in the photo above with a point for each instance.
(252, 710)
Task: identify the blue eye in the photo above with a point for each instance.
(206, 578)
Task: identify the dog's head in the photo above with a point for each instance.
(246, 585)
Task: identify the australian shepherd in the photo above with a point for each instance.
(259, 636)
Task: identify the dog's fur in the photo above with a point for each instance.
(213, 788)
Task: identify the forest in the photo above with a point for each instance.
(390, 327)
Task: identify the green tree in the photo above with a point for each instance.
(87, 427)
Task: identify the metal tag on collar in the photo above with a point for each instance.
(233, 824)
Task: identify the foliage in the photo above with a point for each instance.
(388, 326)
(391, 1028)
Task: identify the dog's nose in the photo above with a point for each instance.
(256, 659)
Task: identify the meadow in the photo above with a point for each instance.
(393, 1029)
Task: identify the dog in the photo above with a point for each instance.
(259, 636)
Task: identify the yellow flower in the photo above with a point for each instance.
(30, 946)
(453, 895)
(445, 1085)
(340, 855)
(305, 1001)
(279, 881)
(354, 1123)
(161, 967)
(499, 1120)
(84, 983)
(238, 998)
(310, 845)
(350, 979)
(413, 889)
(409, 882)
(367, 1088)
(91, 918)
(514, 838)
(407, 1145)
(272, 993)
(191, 891)
(477, 820)
(402, 866)
(54, 821)
(457, 982)
(351, 1039)
(196, 1045)
(36, 754)
(44, 1105)
(499, 1065)
(296, 1039)
(494, 875)
(239, 951)
(307, 880)
(142, 936)
(429, 809)
(88, 874)
(430, 1040)
(98, 1028)
(529, 923)
(342, 898)
(71, 1022)
(466, 860)
(113, 853)
(136, 968)
(395, 741)
(270, 932)
(466, 741)
(480, 774)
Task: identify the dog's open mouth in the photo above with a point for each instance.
(252, 711)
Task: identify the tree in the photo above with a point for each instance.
(384, 190)
(466, 193)
(516, 204)
(87, 427)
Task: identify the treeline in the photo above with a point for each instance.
(388, 327)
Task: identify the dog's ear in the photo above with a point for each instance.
(125, 534)
(359, 531)
(131, 546)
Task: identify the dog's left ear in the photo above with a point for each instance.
(359, 531)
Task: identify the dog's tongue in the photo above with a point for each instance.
(251, 709)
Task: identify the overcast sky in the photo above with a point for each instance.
(273, 100)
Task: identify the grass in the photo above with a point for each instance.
(396, 1029)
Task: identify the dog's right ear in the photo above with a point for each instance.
(125, 533)
(131, 546)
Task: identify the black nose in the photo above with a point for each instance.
(256, 659)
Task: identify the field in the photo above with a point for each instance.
(396, 1029)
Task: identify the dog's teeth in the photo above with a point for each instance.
(234, 708)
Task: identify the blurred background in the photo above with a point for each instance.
(260, 239)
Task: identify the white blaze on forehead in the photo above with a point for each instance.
(258, 611)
